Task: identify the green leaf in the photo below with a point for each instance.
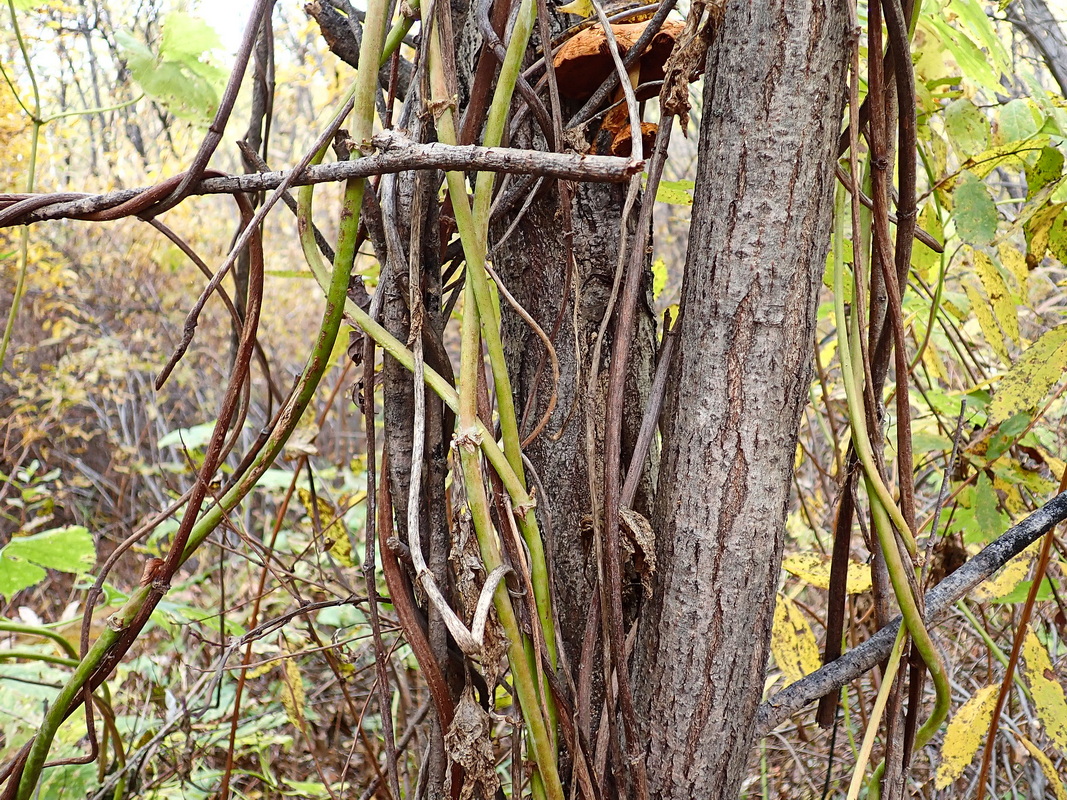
(189, 438)
(1017, 121)
(967, 127)
(1006, 435)
(177, 77)
(929, 443)
(972, 62)
(1057, 236)
(1044, 592)
(66, 549)
(976, 24)
(23, 561)
(187, 38)
(677, 193)
(974, 212)
(1047, 168)
(991, 522)
(17, 575)
(1031, 376)
(924, 259)
(302, 274)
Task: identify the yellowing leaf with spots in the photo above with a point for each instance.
(293, 694)
(815, 569)
(983, 312)
(934, 363)
(999, 297)
(1046, 689)
(1015, 262)
(965, 734)
(1052, 775)
(1031, 376)
(792, 642)
(1009, 577)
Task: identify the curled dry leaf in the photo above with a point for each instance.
(469, 744)
(642, 539)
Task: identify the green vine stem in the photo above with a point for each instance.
(913, 618)
(498, 109)
(522, 666)
(881, 512)
(520, 498)
(880, 701)
(474, 230)
(35, 630)
(851, 360)
(520, 654)
(42, 743)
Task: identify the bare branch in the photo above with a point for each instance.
(939, 600)
(395, 153)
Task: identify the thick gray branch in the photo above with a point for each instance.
(939, 600)
(395, 153)
(1044, 32)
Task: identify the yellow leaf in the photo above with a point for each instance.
(1009, 490)
(999, 296)
(339, 546)
(581, 8)
(1051, 773)
(1055, 465)
(934, 363)
(1048, 693)
(792, 642)
(328, 519)
(815, 569)
(983, 312)
(965, 734)
(1015, 263)
(1030, 378)
(293, 694)
(1039, 231)
(262, 669)
(1010, 576)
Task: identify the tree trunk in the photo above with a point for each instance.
(773, 97)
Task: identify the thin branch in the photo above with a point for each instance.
(939, 600)
(396, 153)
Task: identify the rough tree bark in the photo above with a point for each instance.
(773, 97)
